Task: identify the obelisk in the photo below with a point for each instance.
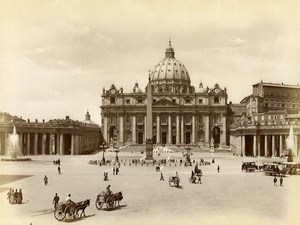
(149, 124)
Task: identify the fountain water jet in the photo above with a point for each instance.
(290, 145)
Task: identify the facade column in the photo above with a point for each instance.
(193, 129)
(121, 130)
(6, 138)
(223, 136)
(254, 145)
(28, 144)
(177, 130)
(145, 130)
(273, 145)
(280, 145)
(243, 145)
(44, 138)
(182, 129)
(258, 145)
(35, 143)
(51, 144)
(133, 129)
(72, 144)
(61, 145)
(158, 129)
(169, 129)
(206, 130)
(105, 127)
(266, 145)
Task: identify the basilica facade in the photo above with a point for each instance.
(181, 113)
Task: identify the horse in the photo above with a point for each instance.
(81, 206)
(117, 198)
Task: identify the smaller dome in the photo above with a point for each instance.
(136, 89)
(201, 89)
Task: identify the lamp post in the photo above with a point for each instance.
(103, 159)
(117, 151)
(188, 156)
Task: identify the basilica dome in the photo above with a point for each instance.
(170, 70)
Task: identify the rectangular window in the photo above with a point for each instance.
(127, 101)
(187, 100)
(216, 100)
(174, 100)
(112, 100)
(140, 100)
(200, 101)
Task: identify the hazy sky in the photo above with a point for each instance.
(56, 56)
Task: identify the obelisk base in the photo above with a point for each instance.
(149, 150)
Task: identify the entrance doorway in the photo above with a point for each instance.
(140, 137)
(164, 138)
(187, 137)
(216, 136)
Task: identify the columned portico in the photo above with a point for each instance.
(254, 145)
(182, 129)
(177, 129)
(134, 129)
(193, 129)
(158, 129)
(169, 129)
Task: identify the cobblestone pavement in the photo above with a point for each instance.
(228, 197)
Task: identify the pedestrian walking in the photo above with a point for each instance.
(114, 170)
(161, 177)
(12, 197)
(275, 181)
(218, 168)
(192, 175)
(45, 180)
(117, 170)
(58, 169)
(281, 180)
(55, 200)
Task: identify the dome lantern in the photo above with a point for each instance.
(170, 51)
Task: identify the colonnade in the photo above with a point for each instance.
(269, 145)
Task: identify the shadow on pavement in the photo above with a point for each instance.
(77, 219)
(115, 208)
(44, 212)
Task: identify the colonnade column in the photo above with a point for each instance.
(266, 145)
(193, 129)
(21, 144)
(133, 129)
(169, 129)
(72, 144)
(273, 145)
(243, 145)
(223, 136)
(177, 130)
(6, 138)
(280, 145)
(57, 144)
(28, 144)
(121, 130)
(51, 144)
(35, 143)
(254, 145)
(258, 145)
(44, 138)
(296, 144)
(206, 130)
(61, 144)
(145, 130)
(158, 129)
(182, 129)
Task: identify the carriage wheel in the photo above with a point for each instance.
(99, 204)
(110, 202)
(70, 212)
(59, 215)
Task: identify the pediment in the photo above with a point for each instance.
(164, 102)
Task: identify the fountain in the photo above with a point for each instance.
(13, 148)
(290, 145)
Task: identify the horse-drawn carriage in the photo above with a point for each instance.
(175, 180)
(111, 200)
(70, 210)
(196, 179)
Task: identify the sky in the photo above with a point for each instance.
(56, 56)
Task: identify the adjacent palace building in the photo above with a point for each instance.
(265, 119)
(182, 114)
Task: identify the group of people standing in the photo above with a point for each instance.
(280, 180)
(15, 197)
(116, 170)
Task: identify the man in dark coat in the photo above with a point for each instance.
(55, 200)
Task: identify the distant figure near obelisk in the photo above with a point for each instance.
(149, 137)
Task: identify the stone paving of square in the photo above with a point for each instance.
(228, 197)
